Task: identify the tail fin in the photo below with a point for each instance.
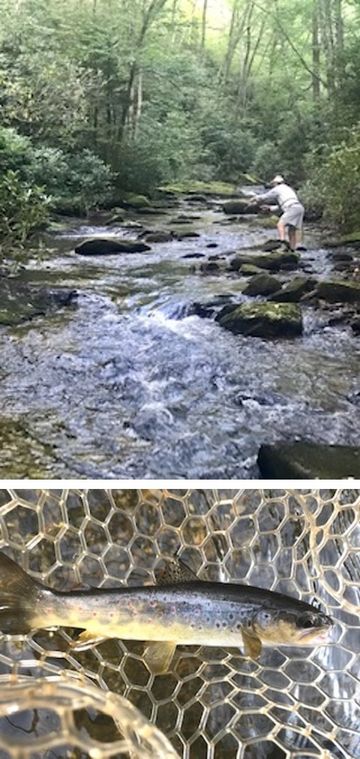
(18, 596)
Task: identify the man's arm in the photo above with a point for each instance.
(268, 196)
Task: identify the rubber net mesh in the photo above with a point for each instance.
(103, 702)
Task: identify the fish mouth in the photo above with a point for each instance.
(316, 635)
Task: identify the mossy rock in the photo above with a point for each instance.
(191, 187)
(268, 320)
(135, 201)
(99, 246)
(271, 261)
(262, 284)
(249, 270)
(305, 460)
(338, 291)
(295, 290)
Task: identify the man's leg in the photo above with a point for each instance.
(292, 237)
(282, 231)
(299, 235)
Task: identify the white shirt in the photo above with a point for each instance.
(284, 196)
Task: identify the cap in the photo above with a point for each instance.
(278, 179)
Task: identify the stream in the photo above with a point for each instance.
(132, 384)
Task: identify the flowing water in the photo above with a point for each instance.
(130, 385)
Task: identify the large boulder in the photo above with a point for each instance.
(304, 460)
(262, 284)
(338, 291)
(239, 206)
(100, 246)
(295, 290)
(268, 320)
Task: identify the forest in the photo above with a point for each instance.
(102, 98)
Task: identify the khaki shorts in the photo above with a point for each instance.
(293, 216)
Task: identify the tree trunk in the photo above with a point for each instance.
(315, 52)
(149, 15)
(203, 24)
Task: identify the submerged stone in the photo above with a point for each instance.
(21, 302)
(155, 237)
(304, 460)
(99, 246)
(268, 320)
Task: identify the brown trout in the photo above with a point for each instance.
(180, 609)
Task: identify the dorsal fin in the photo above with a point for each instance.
(175, 572)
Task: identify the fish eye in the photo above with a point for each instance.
(264, 618)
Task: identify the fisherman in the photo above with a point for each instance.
(292, 217)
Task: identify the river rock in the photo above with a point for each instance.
(355, 325)
(272, 261)
(295, 290)
(338, 291)
(160, 236)
(249, 270)
(116, 219)
(209, 266)
(135, 201)
(22, 301)
(239, 206)
(304, 460)
(262, 284)
(196, 198)
(194, 255)
(99, 246)
(268, 320)
(183, 235)
(341, 255)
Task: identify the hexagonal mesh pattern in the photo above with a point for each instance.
(214, 702)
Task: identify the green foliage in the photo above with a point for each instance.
(229, 148)
(162, 152)
(68, 177)
(268, 161)
(335, 181)
(23, 209)
(134, 87)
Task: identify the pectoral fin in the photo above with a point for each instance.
(252, 645)
(158, 656)
(86, 640)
